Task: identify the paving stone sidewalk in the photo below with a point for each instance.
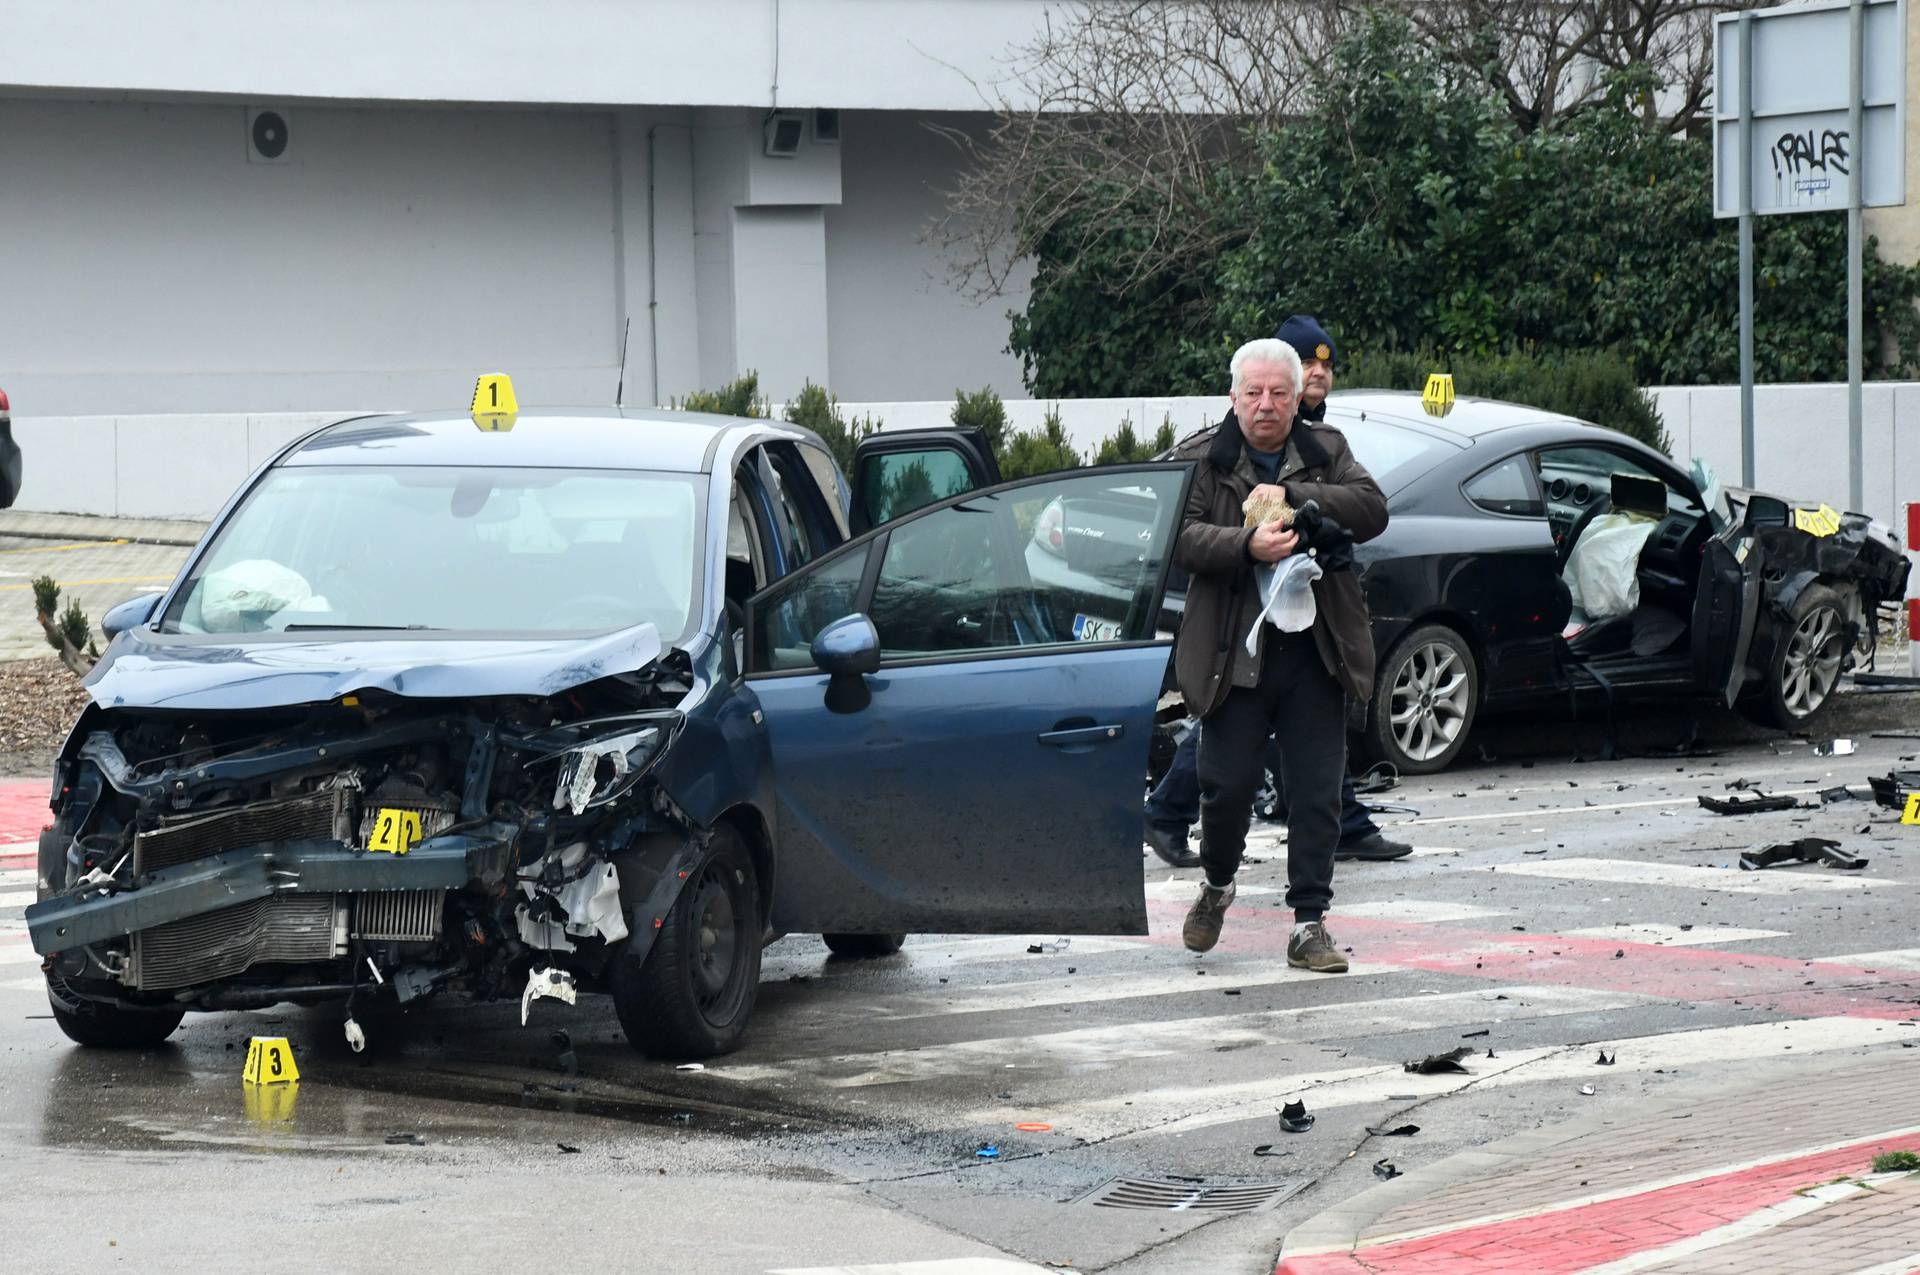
(1759, 1179)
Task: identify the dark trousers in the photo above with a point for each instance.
(1303, 709)
(1174, 802)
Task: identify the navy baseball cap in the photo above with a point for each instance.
(1308, 339)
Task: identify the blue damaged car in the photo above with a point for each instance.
(599, 702)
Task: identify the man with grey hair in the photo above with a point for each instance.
(1248, 679)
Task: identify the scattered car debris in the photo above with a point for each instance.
(681, 1117)
(1805, 850)
(1384, 1170)
(1840, 793)
(356, 1035)
(1605, 1059)
(691, 1067)
(1893, 681)
(1048, 948)
(1034, 1126)
(1587, 1091)
(1484, 1031)
(987, 1151)
(405, 1140)
(1380, 777)
(1441, 1064)
(1834, 748)
(1891, 789)
(1295, 1118)
(566, 1149)
(1268, 1149)
(1753, 803)
(550, 981)
(1398, 1131)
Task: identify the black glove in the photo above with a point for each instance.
(1321, 534)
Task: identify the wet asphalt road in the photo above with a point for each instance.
(1554, 906)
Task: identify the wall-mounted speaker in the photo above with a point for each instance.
(268, 135)
(783, 132)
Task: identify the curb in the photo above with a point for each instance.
(29, 525)
(1338, 1230)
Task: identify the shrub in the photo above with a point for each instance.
(738, 397)
(984, 411)
(819, 411)
(1040, 451)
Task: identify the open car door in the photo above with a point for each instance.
(898, 472)
(1727, 605)
(982, 770)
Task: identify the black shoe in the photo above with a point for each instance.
(1171, 845)
(1372, 846)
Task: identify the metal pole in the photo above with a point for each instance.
(1745, 169)
(1856, 239)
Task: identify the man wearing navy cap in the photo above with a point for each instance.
(1250, 682)
(1174, 803)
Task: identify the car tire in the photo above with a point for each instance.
(693, 994)
(1809, 654)
(101, 1026)
(1424, 700)
(863, 946)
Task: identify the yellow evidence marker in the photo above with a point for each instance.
(1437, 398)
(395, 831)
(269, 1062)
(1823, 521)
(271, 1104)
(1912, 813)
(494, 406)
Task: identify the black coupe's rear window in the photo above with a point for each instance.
(1393, 454)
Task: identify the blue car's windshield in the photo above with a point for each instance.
(455, 548)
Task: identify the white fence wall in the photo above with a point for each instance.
(185, 466)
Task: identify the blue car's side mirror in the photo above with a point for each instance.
(848, 646)
(847, 650)
(130, 614)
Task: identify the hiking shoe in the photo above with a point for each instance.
(1374, 846)
(1171, 845)
(1202, 929)
(1309, 949)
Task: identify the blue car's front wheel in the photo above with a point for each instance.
(693, 995)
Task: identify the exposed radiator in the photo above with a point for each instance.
(398, 915)
(185, 838)
(229, 940)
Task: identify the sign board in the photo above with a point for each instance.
(1800, 146)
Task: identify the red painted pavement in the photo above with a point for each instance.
(1565, 1240)
(1770, 984)
(23, 812)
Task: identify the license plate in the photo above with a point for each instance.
(1088, 629)
(395, 831)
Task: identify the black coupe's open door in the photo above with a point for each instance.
(1725, 609)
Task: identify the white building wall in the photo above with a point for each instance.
(900, 328)
(885, 54)
(150, 267)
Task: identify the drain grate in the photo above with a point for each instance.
(1186, 1195)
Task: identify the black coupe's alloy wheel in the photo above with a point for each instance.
(1424, 701)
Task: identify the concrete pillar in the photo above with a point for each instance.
(759, 253)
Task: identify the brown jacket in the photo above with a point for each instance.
(1224, 598)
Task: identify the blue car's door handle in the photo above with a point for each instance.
(1081, 736)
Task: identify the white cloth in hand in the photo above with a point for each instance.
(1286, 595)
